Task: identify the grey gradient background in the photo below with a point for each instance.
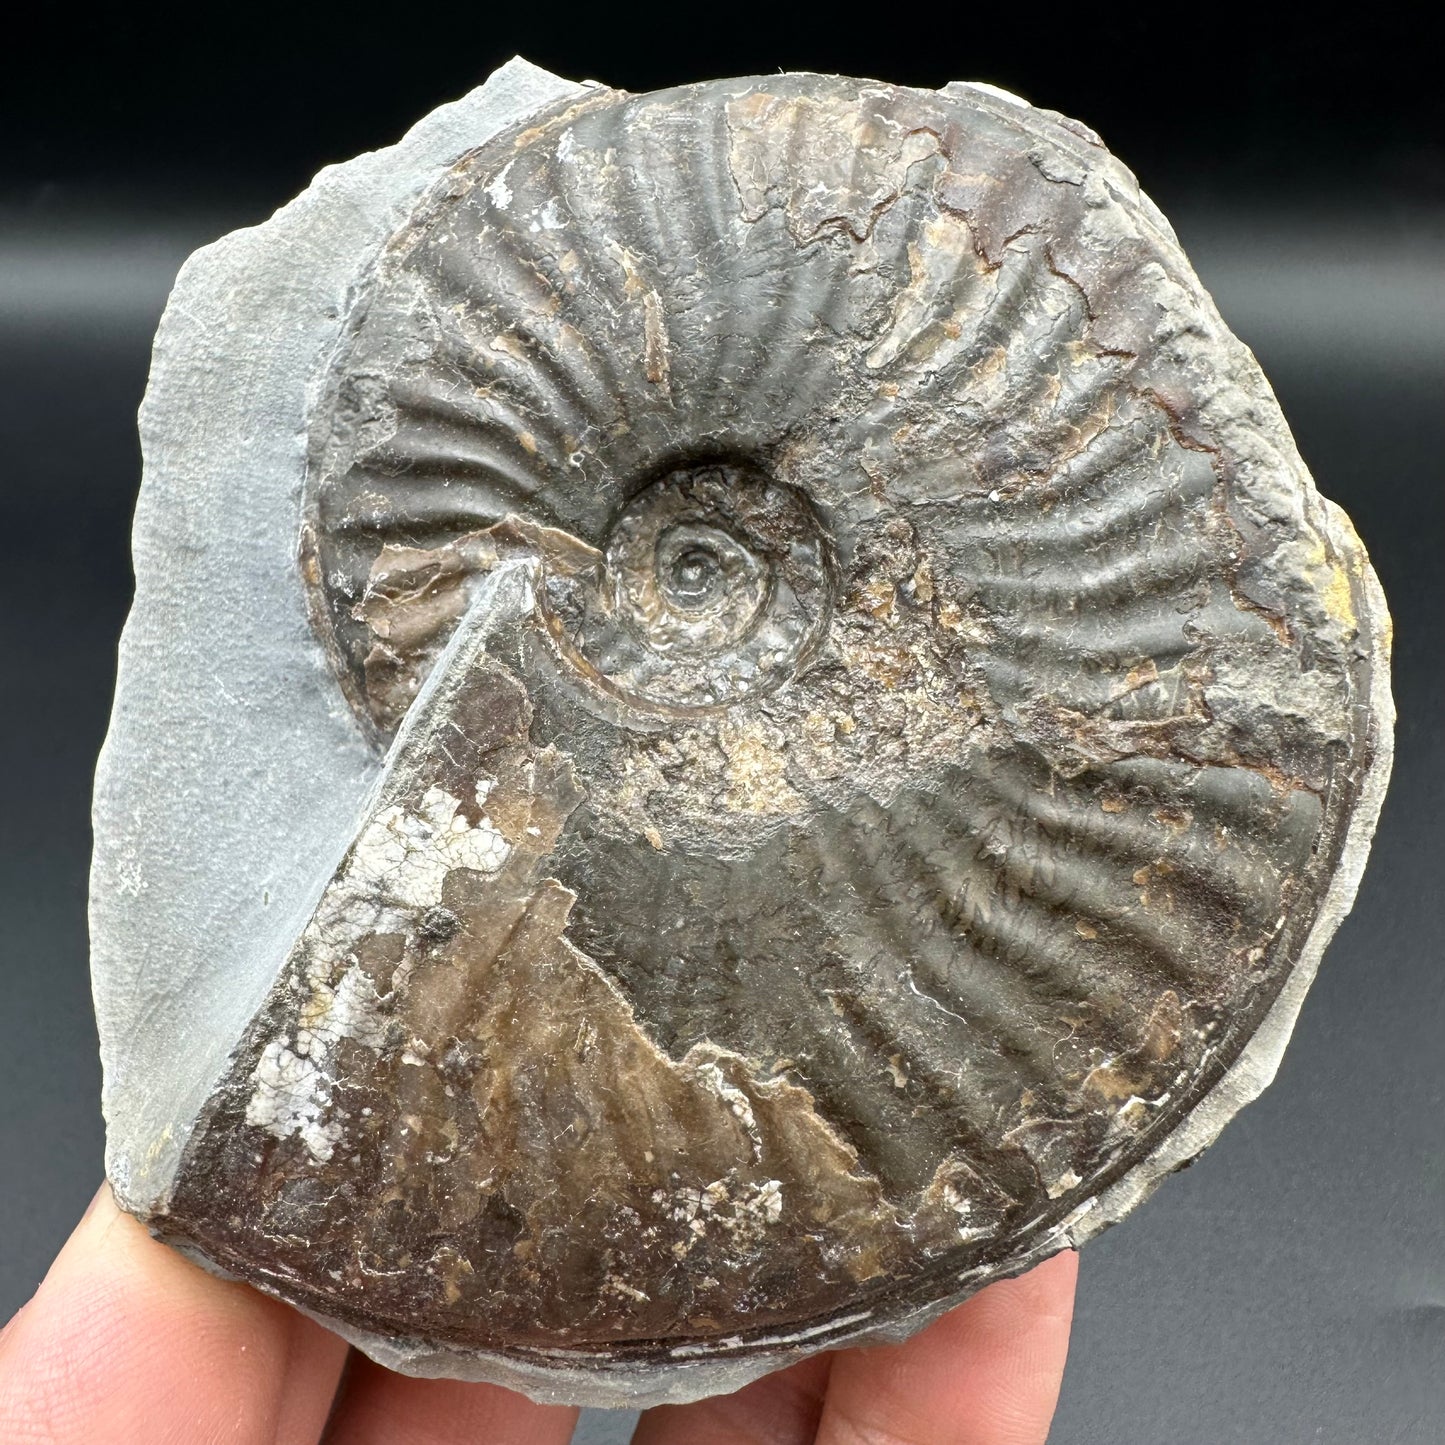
(1290, 1287)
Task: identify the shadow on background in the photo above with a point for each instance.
(1291, 1287)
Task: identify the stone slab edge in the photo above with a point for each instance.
(233, 771)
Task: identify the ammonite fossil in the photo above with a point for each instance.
(798, 732)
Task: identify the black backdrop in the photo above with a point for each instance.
(1291, 1286)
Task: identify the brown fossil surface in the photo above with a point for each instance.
(878, 727)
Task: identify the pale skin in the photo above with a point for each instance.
(125, 1342)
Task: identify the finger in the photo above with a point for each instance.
(378, 1407)
(780, 1409)
(126, 1341)
(987, 1373)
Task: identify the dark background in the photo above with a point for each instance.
(1291, 1286)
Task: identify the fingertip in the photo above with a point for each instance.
(986, 1373)
(376, 1406)
(778, 1409)
(126, 1340)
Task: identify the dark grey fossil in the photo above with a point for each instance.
(800, 732)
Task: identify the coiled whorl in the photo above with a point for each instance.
(963, 684)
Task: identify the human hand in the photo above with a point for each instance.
(127, 1342)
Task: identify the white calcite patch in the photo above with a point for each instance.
(405, 857)
(395, 872)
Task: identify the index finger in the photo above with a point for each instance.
(127, 1341)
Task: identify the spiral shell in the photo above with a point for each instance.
(918, 708)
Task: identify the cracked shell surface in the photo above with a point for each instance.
(874, 707)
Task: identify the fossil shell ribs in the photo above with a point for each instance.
(879, 705)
